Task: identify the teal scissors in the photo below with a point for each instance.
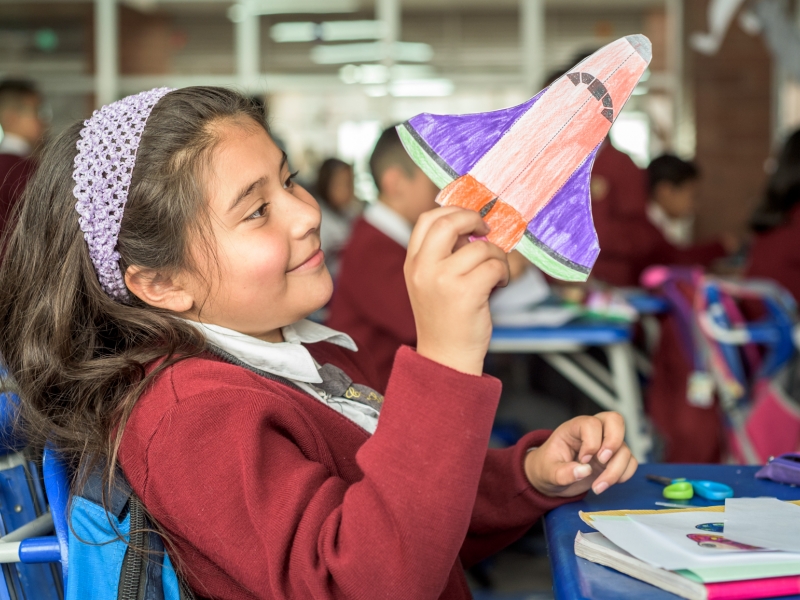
(683, 489)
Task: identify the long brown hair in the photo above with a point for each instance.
(78, 359)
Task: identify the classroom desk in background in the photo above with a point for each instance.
(578, 579)
(615, 387)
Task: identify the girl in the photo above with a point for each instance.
(335, 193)
(152, 303)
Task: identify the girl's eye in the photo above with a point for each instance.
(260, 212)
(289, 183)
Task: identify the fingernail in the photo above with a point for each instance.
(586, 459)
(604, 456)
(582, 472)
(600, 487)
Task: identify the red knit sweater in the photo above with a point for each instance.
(268, 493)
(370, 301)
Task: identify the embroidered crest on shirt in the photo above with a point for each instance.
(336, 383)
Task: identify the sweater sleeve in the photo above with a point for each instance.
(260, 506)
(507, 504)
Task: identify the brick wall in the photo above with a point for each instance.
(732, 103)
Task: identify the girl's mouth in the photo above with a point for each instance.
(312, 262)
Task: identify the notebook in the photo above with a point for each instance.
(758, 581)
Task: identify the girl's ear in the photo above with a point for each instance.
(159, 289)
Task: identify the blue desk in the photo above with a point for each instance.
(646, 304)
(575, 578)
(613, 387)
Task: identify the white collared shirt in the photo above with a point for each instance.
(677, 231)
(291, 360)
(11, 143)
(388, 222)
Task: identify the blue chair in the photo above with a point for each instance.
(24, 554)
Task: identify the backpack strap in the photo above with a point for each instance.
(117, 502)
(145, 572)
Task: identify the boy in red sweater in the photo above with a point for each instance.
(254, 437)
(370, 301)
(629, 241)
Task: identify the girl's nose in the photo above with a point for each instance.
(302, 212)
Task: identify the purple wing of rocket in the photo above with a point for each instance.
(460, 141)
(564, 228)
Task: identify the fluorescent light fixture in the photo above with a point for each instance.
(413, 72)
(239, 11)
(329, 31)
(421, 88)
(293, 32)
(371, 74)
(340, 31)
(282, 7)
(368, 74)
(371, 52)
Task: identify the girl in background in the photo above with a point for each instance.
(339, 207)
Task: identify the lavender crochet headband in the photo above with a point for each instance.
(103, 166)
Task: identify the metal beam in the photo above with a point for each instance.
(247, 45)
(532, 17)
(388, 12)
(106, 51)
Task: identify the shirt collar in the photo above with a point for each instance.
(11, 143)
(288, 359)
(388, 222)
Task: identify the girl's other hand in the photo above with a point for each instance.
(449, 281)
(583, 453)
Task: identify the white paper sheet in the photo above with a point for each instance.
(765, 522)
(525, 292)
(542, 316)
(664, 540)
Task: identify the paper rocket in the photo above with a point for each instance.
(526, 169)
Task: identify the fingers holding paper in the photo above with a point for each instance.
(583, 453)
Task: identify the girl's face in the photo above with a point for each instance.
(341, 190)
(269, 270)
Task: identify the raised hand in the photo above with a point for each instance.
(449, 281)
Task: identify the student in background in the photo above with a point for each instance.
(775, 253)
(672, 208)
(630, 238)
(23, 129)
(370, 301)
(335, 192)
(673, 187)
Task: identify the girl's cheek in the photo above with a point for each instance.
(268, 262)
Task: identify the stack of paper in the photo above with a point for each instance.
(751, 550)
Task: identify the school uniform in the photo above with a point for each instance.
(271, 489)
(370, 299)
(775, 254)
(16, 167)
(629, 242)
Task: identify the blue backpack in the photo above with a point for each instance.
(102, 560)
(104, 567)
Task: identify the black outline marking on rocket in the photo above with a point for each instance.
(598, 90)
